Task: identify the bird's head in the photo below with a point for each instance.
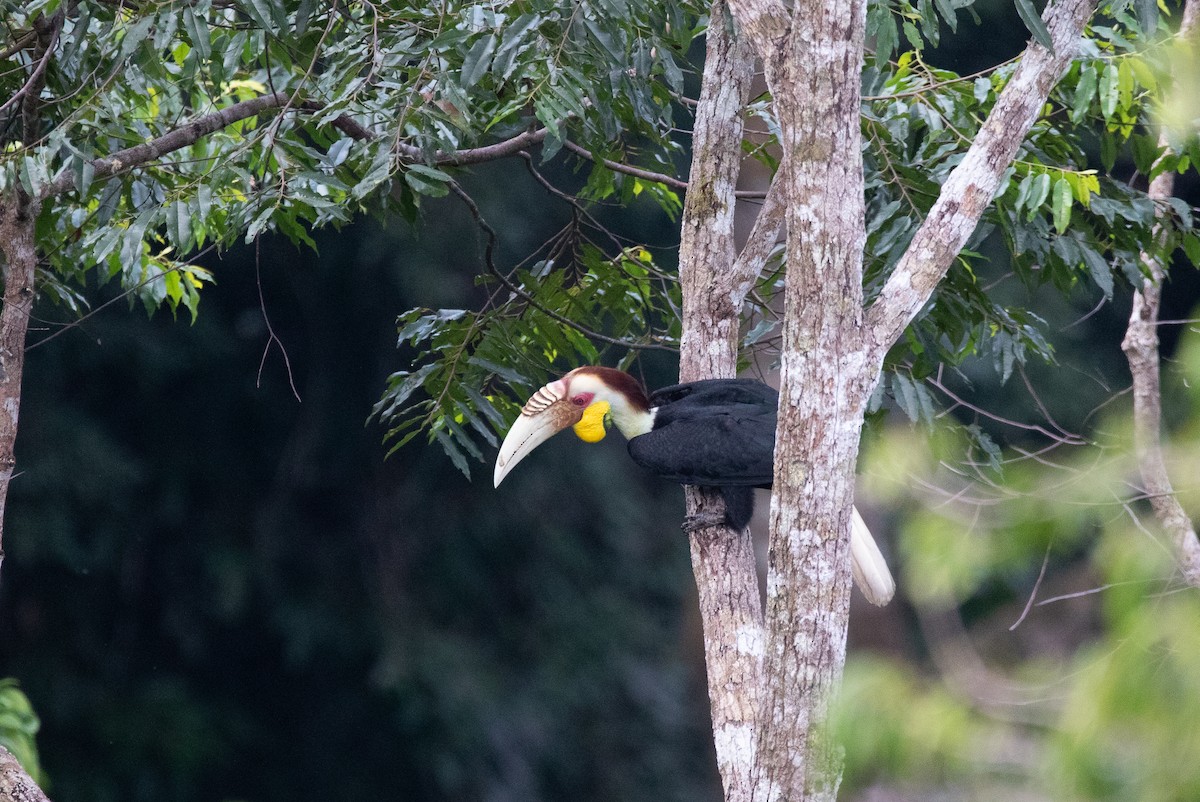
(588, 399)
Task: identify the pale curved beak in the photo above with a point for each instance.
(537, 424)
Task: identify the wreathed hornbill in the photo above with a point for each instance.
(716, 433)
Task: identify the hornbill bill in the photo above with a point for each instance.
(716, 433)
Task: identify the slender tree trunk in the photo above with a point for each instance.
(17, 216)
(722, 561)
(824, 387)
(1141, 350)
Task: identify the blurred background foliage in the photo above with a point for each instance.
(214, 591)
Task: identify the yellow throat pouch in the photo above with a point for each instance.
(591, 427)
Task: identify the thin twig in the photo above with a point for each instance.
(1141, 349)
(1033, 593)
(272, 337)
(32, 84)
(489, 260)
(650, 175)
(1071, 440)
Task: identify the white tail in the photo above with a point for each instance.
(870, 569)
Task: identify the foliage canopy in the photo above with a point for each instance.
(333, 111)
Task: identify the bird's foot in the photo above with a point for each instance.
(704, 520)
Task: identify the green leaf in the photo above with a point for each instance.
(1063, 197)
(477, 60)
(1085, 92)
(946, 9)
(304, 15)
(1038, 192)
(1142, 70)
(453, 453)
(882, 29)
(198, 33)
(1147, 13)
(1033, 21)
(135, 36)
(1023, 190)
(260, 222)
(1109, 90)
(1191, 247)
(181, 228)
(913, 397)
(1145, 152)
(400, 386)
(1124, 84)
(1108, 150)
(269, 14)
(1099, 270)
(427, 180)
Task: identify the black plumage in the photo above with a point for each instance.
(714, 433)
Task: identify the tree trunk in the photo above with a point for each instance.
(824, 389)
(17, 216)
(812, 54)
(1141, 350)
(722, 561)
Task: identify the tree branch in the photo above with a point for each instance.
(815, 78)
(193, 131)
(15, 784)
(18, 246)
(459, 158)
(758, 246)
(618, 167)
(649, 175)
(975, 181)
(489, 259)
(45, 34)
(1141, 349)
(184, 136)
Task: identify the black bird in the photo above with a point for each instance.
(717, 433)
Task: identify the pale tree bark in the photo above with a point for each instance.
(833, 349)
(15, 784)
(1141, 350)
(824, 387)
(18, 216)
(722, 560)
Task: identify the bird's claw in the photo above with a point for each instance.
(704, 520)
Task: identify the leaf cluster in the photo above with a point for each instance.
(476, 368)
(1072, 211)
(353, 97)
(18, 727)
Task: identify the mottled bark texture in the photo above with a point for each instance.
(15, 784)
(824, 385)
(1141, 350)
(833, 349)
(722, 561)
(18, 215)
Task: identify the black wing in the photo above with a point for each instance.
(712, 433)
(717, 391)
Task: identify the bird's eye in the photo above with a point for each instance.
(583, 399)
